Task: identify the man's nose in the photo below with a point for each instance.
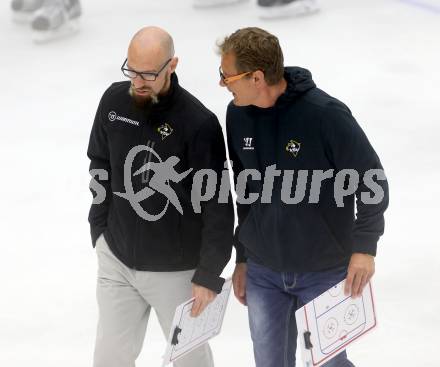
(221, 83)
(138, 82)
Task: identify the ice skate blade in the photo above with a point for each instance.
(287, 11)
(67, 30)
(200, 4)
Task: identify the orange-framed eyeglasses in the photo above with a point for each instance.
(229, 79)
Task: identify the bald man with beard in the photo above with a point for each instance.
(150, 46)
(159, 264)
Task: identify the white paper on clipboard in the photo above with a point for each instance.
(332, 321)
(187, 333)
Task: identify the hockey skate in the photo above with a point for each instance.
(23, 10)
(201, 4)
(284, 9)
(56, 19)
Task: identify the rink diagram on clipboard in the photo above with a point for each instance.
(190, 332)
(195, 330)
(332, 321)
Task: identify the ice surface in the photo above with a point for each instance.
(381, 57)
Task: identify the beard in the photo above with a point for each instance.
(143, 101)
(147, 101)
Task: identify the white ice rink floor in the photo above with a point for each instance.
(381, 57)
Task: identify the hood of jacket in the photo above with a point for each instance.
(299, 81)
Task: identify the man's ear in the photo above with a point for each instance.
(258, 77)
(173, 63)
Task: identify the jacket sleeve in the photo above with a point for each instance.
(349, 148)
(99, 169)
(242, 209)
(207, 151)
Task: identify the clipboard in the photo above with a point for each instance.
(188, 333)
(332, 321)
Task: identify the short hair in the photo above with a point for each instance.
(255, 49)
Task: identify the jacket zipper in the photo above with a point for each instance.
(147, 161)
(144, 179)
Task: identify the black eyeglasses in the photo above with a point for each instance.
(145, 75)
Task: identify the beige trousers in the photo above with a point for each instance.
(125, 298)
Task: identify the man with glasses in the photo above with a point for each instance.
(290, 251)
(154, 250)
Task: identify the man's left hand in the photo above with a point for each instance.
(360, 271)
(203, 296)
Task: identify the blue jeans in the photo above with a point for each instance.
(272, 299)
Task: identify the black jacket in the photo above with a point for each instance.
(305, 130)
(179, 125)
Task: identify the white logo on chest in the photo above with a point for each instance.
(247, 144)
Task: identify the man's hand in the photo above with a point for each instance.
(239, 282)
(203, 296)
(360, 271)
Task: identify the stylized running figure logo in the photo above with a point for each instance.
(163, 173)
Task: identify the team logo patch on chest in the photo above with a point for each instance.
(165, 130)
(293, 147)
(247, 144)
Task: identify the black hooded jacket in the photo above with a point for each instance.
(179, 125)
(305, 130)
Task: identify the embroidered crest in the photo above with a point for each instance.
(165, 130)
(293, 147)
